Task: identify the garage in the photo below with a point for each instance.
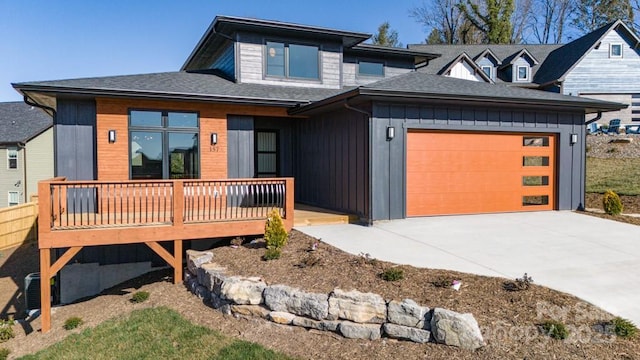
(473, 172)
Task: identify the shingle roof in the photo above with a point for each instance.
(182, 85)
(503, 52)
(20, 122)
(417, 85)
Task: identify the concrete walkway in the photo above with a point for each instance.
(595, 259)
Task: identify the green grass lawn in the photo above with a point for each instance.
(619, 175)
(157, 333)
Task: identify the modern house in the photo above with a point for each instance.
(26, 147)
(603, 64)
(260, 105)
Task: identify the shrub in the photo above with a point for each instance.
(4, 353)
(555, 329)
(272, 254)
(612, 203)
(442, 283)
(393, 274)
(72, 323)
(624, 328)
(140, 296)
(275, 235)
(6, 330)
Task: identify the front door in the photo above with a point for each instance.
(266, 161)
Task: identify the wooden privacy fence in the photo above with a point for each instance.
(18, 224)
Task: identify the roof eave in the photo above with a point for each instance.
(157, 95)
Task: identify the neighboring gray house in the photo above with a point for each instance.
(603, 64)
(26, 150)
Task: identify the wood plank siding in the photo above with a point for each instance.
(113, 114)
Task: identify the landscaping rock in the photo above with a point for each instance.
(243, 290)
(323, 325)
(360, 331)
(408, 313)
(218, 302)
(202, 293)
(356, 306)
(285, 298)
(211, 276)
(250, 310)
(195, 259)
(281, 317)
(406, 333)
(455, 329)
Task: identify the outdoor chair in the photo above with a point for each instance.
(614, 126)
(593, 129)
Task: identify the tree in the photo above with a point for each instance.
(445, 23)
(493, 19)
(592, 14)
(548, 19)
(386, 36)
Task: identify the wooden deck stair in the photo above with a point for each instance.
(305, 215)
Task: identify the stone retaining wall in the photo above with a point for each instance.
(352, 314)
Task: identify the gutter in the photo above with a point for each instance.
(156, 95)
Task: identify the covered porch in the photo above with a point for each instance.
(75, 214)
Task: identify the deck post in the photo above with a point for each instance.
(289, 203)
(45, 290)
(177, 265)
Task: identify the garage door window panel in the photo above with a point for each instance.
(535, 180)
(535, 161)
(535, 200)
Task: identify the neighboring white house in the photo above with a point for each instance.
(603, 64)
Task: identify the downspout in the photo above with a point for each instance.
(598, 117)
(369, 220)
(24, 171)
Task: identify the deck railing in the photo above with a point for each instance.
(86, 205)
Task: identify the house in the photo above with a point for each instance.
(199, 153)
(26, 146)
(603, 64)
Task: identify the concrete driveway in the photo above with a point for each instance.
(595, 259)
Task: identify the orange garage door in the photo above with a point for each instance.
(468, 173)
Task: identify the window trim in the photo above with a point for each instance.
(518, 67)
(490, 75)
(9, 158)
(286, 76)
(164, 129)
(9, 198)
(360, 75)
(611, 55)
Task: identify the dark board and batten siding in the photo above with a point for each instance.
(75, 154)
(332, 162)
(388, 169)
(240, 147)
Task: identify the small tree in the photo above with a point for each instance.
(612, 203)
(275, 235)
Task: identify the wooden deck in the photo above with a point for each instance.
(74, 214)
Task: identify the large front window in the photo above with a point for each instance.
(164, 145)
(292, 60)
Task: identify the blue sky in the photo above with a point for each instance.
(51, 40)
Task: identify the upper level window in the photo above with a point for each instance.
(292, 60)
(12, 158)
(615, 50)
(488, 70)
(164, 145)
(522, 73)
(367, 68)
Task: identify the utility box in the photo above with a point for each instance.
(32, 291)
